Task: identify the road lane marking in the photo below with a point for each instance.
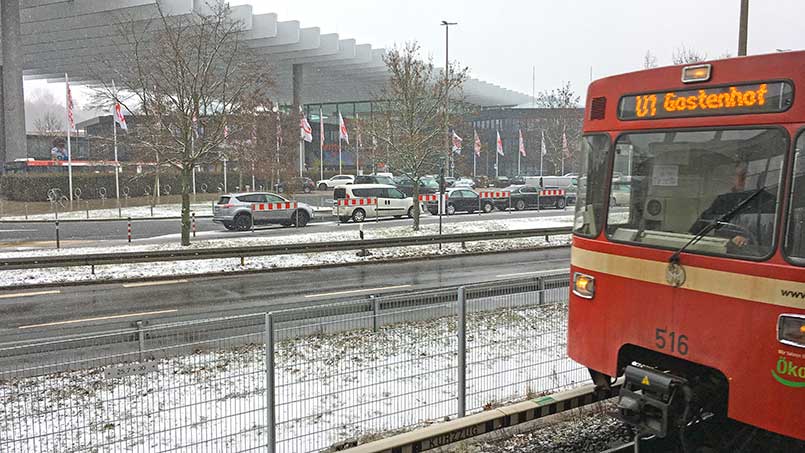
(103, 318)
(338, 293)
(520, 274)
(36, 293)
(154, 283)
(16, 231)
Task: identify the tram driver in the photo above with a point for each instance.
(748, 229)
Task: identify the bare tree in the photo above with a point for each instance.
(684, 55)
(191, 77)
(649, 60)
(48, 123)
(409, 126)
(563, 121)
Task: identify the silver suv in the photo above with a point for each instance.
(234, 211)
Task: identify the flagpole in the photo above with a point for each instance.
(114, 134)
(497, 166)
(339, 152)
(541, 152)
(357, 149)
(69, 150)
(474, 158)
(518, 163)
(321, 144)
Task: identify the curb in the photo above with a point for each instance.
(279, 269)
(441, 435)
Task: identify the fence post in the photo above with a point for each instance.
(375, 310)
(462, 351)
(541, 290)
(270, 417)
(140, 338)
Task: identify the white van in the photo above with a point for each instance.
(390, 202)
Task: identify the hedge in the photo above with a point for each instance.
(35, 187)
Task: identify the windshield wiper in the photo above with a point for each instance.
(674, 259)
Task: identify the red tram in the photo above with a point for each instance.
(693, 286)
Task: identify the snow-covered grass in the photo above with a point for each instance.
(135, 212)
(196, 267)
(329, 387)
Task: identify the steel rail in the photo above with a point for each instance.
(98, 259)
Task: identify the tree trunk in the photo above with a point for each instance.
(187, 175)
(416, 205)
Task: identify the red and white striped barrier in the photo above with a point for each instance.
(552, 193)
(274, 206)
(501, 194)
(357, 202)
(429, 197)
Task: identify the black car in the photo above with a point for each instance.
(528, 197)
(426, 185)
(500, 181)
(295, 185)
(462, 200)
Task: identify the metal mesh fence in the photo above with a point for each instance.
(341, 373)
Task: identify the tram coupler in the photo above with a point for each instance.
(652, 400)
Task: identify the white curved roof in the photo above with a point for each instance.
(61, 36)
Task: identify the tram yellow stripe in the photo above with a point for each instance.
(728, 284)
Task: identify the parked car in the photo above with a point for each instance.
(234, 211)
(621, 194)
(500, 181)
(464, 182)
(426, 185)
(390, 202)
(449, 181)
(296, 185)
(461, 199)
(335, 181)
(481, 181)
(528, 197)
(517, 180)
(374, 179)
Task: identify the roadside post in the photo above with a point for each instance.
(270, 390)
(480, 204)
(510, 201)
(129, 229)
(57, 235)
(193, 222)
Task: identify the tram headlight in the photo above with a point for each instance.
(583, 285)
(791, 330)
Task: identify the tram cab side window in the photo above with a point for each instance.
(591, 190)
(681, 181)
(795, 232)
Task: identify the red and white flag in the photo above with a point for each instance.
(457, 143)
(499, 144)
(306, 132)
(120, 119)
(342, 129)
(69, 103)
(522, 144)
(542, 144)
(226, 131)
(477, 143)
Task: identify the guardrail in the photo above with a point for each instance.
(98, 259)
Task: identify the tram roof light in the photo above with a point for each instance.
(696, 73)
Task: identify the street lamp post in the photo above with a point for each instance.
(447, 25)
(743, 28)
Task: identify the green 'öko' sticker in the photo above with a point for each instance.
(785, 370)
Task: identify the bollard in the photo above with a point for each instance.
(193, 222)
(152, 210)
(26, 211)
(87, 208)
(57, 235)
(129, 229)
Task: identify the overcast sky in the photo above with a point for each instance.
(502, 40)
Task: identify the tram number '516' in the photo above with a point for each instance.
(671, 340)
